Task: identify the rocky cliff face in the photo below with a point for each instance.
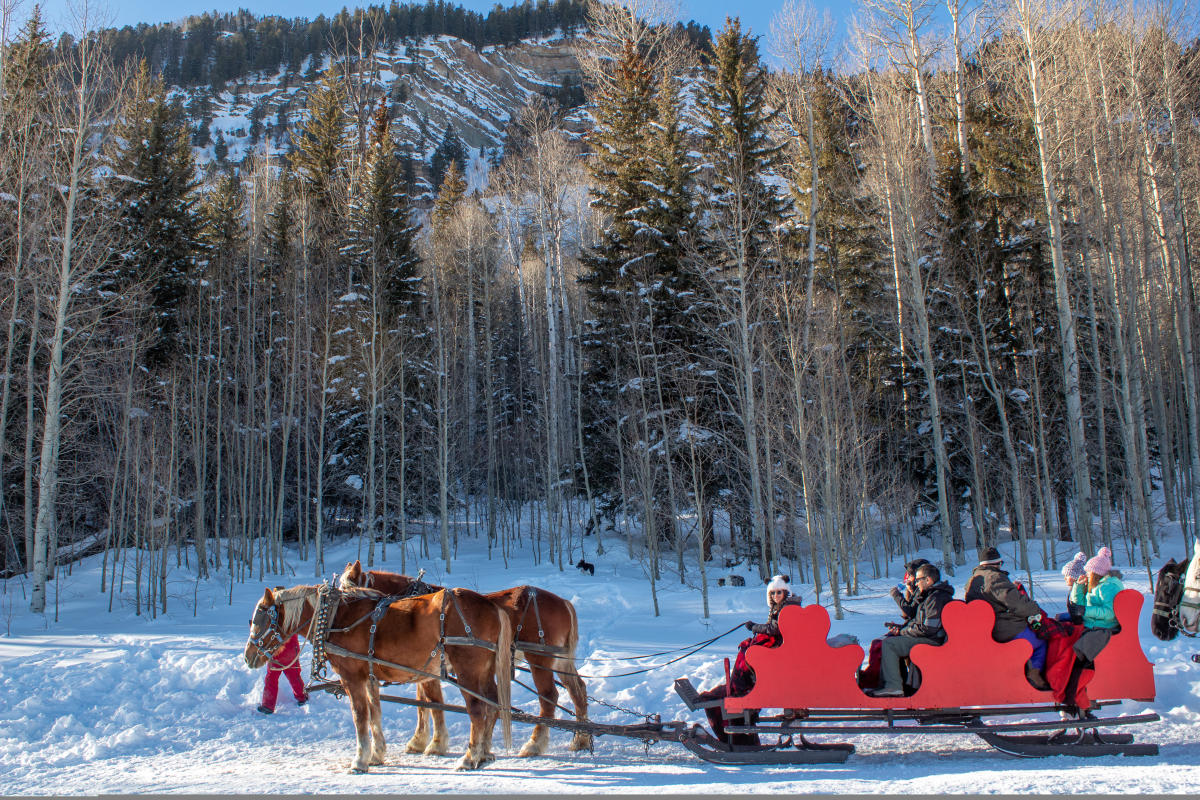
(430, 84)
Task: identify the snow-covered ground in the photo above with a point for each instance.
(102, 702)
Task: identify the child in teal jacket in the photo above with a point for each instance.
(1095, 592)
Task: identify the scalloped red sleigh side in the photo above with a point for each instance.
(969, 670)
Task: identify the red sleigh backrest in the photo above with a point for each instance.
(970, 669)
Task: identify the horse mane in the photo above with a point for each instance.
(291, 603)
(361, 593)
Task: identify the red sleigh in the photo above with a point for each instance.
(970, 669)
(965, 681)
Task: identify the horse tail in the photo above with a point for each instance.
(573, 633)
(504, 674)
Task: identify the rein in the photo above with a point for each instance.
(694, 649)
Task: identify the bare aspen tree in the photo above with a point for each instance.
(1161, 72)
(1035, 27)
(87, 103)
(904, 189)
(800, 35)
(895, 29)
(24, 92)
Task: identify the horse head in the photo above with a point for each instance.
(265, 637)
(353, 575)
(277, 617)
(1189, 605)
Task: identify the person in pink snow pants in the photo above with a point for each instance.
(287, 662)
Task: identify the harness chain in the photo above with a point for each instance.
(328, 599)
(376, 615)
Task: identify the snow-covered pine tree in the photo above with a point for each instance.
(623, 109)
(152, 192)
(380, 246)
(450, 150)
(319, 162)
(739, 249)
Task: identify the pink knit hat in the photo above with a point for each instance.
(1074, 568)
(1100, 563)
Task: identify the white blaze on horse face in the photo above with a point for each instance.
(1189, 604)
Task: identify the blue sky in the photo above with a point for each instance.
(755, 14)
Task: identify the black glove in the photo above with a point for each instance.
(749, 625)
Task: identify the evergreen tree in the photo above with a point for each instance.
(450, 192)
(739, 249)
(153, 196)
(280, 228)
(449, 151)
(382, 235)
(319, 159)
(27, 59)
(623, 108)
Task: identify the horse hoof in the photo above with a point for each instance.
(467, 763)
(580, 743)
(529, 750)
(356, 770)
(436, 749)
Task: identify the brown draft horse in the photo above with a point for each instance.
(548, 620)
(408, 634)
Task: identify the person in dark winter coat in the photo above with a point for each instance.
(924, 628)
(906, 594)
(1015, 611)
(741, 676)
(287, 662)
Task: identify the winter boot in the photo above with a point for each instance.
(264, 710)
(1036, 678)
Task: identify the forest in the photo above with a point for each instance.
(929, 291)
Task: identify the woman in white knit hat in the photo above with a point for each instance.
(741, 677)
(779, 594)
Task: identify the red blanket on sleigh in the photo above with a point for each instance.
(1060, 660)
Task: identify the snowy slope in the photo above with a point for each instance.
(433, 83)
(112, 702)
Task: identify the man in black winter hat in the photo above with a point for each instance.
(1016, 612)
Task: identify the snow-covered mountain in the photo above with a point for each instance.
(430, 85)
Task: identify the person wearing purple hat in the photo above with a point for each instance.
(1072, 571)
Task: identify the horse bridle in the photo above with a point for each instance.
(273, 629)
